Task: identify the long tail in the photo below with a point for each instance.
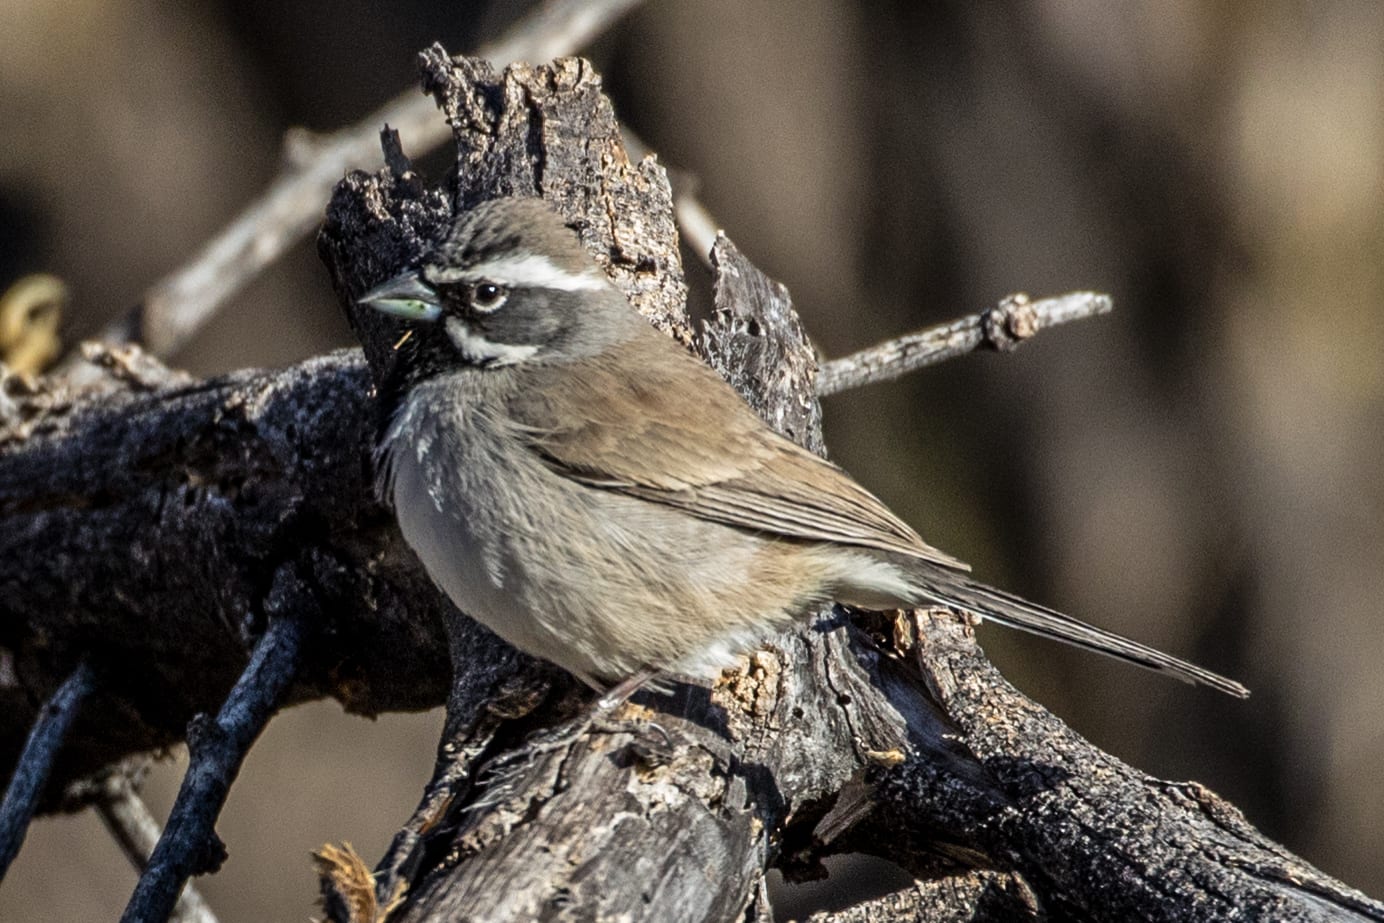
(1016, 612)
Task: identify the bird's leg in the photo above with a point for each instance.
(620, 693)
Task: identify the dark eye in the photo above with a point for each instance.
(487, 296)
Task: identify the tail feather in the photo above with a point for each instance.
(1016, 612)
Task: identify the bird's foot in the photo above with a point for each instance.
(649, 738)
(652, 743)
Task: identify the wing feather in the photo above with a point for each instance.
(626, 423)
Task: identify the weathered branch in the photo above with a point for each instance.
(216, 748)
(1003, 327)
(1090, 836)
(142, 523)
(36, 761)
(698, 228)
(972, 897)
(757, 341)
(180, 304)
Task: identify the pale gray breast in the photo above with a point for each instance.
(599, 583)
(455, 478)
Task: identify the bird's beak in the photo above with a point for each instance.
(405, 296)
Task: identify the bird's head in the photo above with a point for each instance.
(510, 284)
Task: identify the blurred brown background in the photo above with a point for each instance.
(1201, 470)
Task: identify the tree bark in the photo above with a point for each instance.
(144, 520)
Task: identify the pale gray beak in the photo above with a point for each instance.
(405, 296)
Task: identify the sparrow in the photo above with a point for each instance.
(600, 498)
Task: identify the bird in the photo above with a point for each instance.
(600, 498)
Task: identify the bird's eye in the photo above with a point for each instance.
(487, 296)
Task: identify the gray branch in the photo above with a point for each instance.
(967, 897)
(1003, 327)
(36, 761)
(135, 829)
(216, 748)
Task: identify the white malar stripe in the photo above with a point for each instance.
(476, 348)
(528, 271)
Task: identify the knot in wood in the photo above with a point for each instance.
(1010, 322)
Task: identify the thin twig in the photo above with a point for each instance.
(31, 771)
(189, 845)
(137, 832)
(1002, 327)
(178, 305)
(698, 227)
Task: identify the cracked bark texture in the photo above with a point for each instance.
(144, 519)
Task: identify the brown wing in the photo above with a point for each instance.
(624, 424)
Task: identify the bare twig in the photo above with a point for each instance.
(972, 895)
(189, 845)
(35, 761)
(698, 227)
(1002, 327)
(178, 305)
(137, 832)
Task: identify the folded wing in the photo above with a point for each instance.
(739, 474)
